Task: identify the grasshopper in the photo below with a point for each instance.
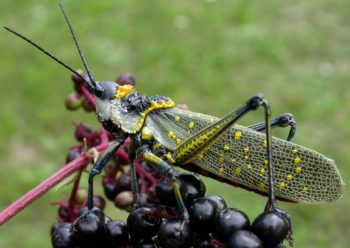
(166, 136)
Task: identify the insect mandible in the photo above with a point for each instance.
(248, 157)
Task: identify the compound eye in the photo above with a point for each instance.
(109, 90)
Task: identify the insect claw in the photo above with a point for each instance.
(92, 153)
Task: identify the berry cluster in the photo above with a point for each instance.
(155, 221)
(159, 224)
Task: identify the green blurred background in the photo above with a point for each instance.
(212, 55)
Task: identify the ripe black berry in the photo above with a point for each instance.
(174, 233)
(117, 234)
(142, 223)
(89, 228)
(244, 239)
(194, 184)
(229, 221)
(62, 236)
(218, 200)
(165, 192)
(271, 227)
(202, 214)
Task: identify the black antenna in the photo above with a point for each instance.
(95, 86)
(50, 55)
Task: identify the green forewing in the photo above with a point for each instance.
(239, 155)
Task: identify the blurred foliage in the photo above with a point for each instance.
(211, 55)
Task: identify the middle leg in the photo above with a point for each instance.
(284, 120)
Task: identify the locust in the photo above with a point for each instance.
(166, 136)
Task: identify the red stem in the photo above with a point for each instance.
(87, 94)
(73, 194)
(49, 183)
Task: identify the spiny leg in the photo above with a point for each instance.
(166, 169)
(100, 164)
(284, 120)
(134, 180)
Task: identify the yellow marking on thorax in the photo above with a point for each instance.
(124, 90)
(154, 105)
(146, 133)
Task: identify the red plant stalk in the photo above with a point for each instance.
(34, 194)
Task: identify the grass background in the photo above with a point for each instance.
(212, 55)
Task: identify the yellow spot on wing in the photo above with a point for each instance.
(294, 151)
(262, 171)
(238, 170)
(249, 166)
(246, 157)
(171, 135)
(262, 185)
(265, 144)
(221, 159)
(297, 160)
(289, 177)
(177, 118)
(246, 149)
(266, 162)
(305, 189)
(221, 170)
(226, 147)
(191, 125)
(282, 185)
(238, 135)
(298, 170)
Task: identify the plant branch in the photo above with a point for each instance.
(34, 194)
